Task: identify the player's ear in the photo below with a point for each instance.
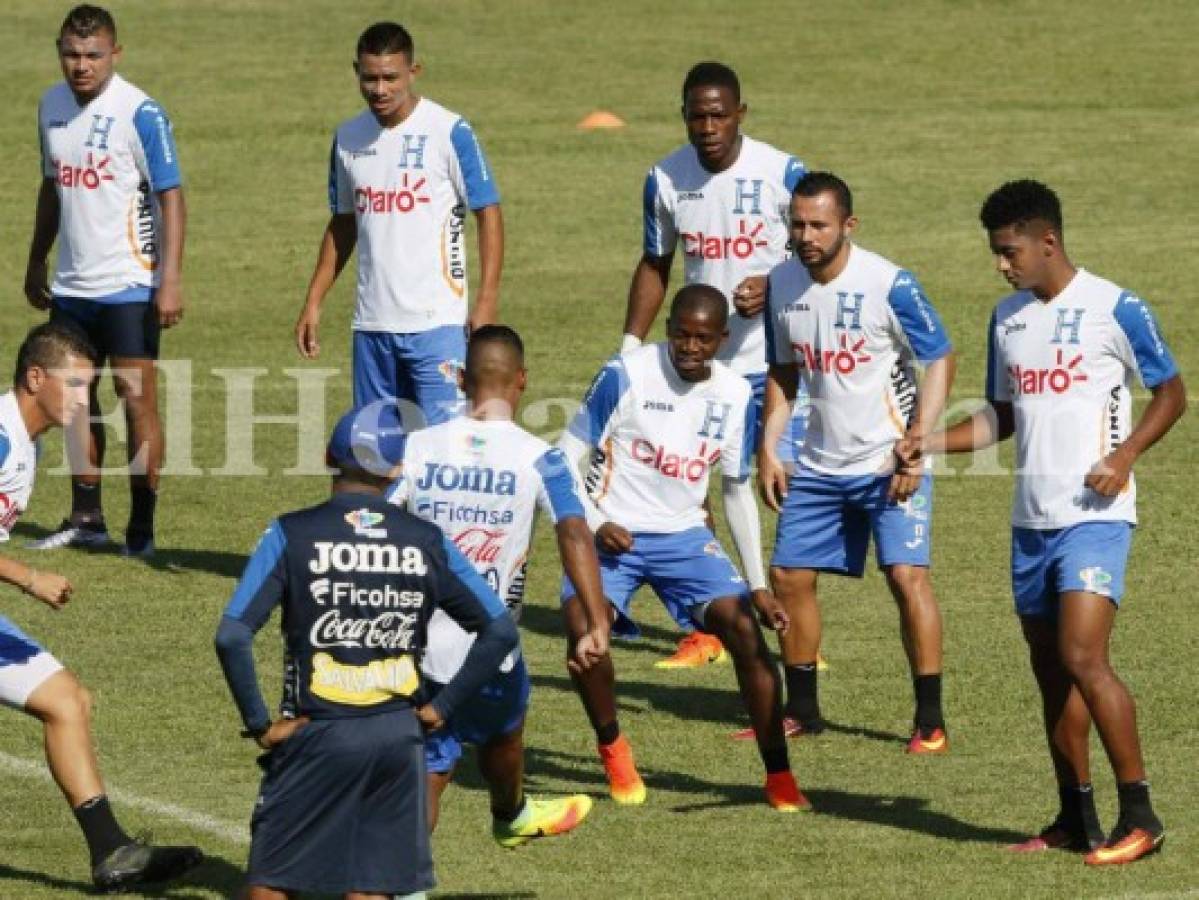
(522, 378)
(116, 53)
(416, 69)
(742, 112)
(851, 224)
(35, 377)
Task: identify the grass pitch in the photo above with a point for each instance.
(923, 107)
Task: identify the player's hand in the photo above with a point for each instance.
(168, 300)
(486, 312)
(770, 611)
(308, 332)
(430, 719)
(613, 538)
(52, 589)
(772, 480)
(37, 285)
(750, 296)
(589, 651)
(280, 731)
(1110, 475)
(909, 469)
(909, 452)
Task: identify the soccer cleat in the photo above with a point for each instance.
(792, 728)
(783, 793)
(541, 818)
(1126, 845)
(85, 534)
(928, 741)
(821, 663)
(695, 650)
(139, 863)
(1057, 836)
(624, 783)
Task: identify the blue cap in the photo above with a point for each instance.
(370, 437)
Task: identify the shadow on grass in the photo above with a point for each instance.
(687, 701)
(215, 874)
(548, 622)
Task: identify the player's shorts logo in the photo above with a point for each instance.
(1097, 580)
(449, 370)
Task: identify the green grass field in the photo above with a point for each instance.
(923, 107)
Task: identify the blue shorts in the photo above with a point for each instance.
(792, 439)
(1090, 557)
(420, 368)
(496, 710)
(127, 329)
(686, 570)
(827, 522)
(342, 808)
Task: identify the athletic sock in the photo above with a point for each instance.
(521, 808)
(801, 691)
(1078, 811)
(141, 511)
(928, 703)
(607, 734)
(85, 502)
(100, 827)
(1136, 810)
(775, 760)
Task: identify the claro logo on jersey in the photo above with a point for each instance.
(1056, 380)
(86, 177)
(8, 513)
(384, 201)
(676, 465)
(386, 559)
(699, 245)
(843, 361)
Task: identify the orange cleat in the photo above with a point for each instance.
(1056, 837)
(935, 741)
(1126, 845)
(792, 728)
(783, 793)
(624, 783)
(695, 650)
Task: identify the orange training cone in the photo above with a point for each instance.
(601, 118)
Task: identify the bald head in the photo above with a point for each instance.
(495, 358)
(702, 301)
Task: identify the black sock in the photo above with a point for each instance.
(928, 702)
(1135, 809)
(100, 827)
(85, 502)
(606, 734)
(801, 691)
(141, 510)
(513, 816)
(1078, 812)
(775, 760)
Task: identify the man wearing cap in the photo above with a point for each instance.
(342, 805)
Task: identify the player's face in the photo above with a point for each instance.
(386, 84)
(713, 119)
(87, 63)
(62, 392)
(694, 337)
(1021, 256)
(820, 229)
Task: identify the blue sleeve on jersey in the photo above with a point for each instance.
(554, 470)
(654, 244)
(795, 171)
(992, 360)
(333, 177)
(235, 648)
(480, 186)
(1139, 325)
(262, 583)
(158, 143)
(600, 403)
(5, 446)
(920, 322)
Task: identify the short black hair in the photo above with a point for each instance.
(815, 183)
(700, 298)
(711, 74)
(86, 20)
(47, 345)
(386, 38)
(1020, 202)
(494, 334)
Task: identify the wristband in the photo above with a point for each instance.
(630, 342)
(255, 734)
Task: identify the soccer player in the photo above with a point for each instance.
(724, 197)
(1062, 354)
(342, 807)
(480, 478)
(401, 175)
(112, 195)
(656, 421)
(55, 366)
(850, 326)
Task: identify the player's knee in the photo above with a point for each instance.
(739, 632)
(1085, 664)
(70, 703)
(788, 583)
(909, 581)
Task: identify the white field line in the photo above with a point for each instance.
(227, 831)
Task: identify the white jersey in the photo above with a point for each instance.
(854, 342)
(481, 483)
(655, 438)
(732, 224)
(18, 464)
(1066, 365)
(109, 159)
(408, 187)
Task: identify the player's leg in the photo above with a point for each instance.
(432, 361)
(800, 646)
(374, 369)
(443, 749)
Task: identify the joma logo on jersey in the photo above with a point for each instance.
(474, 479)
(385, 559)
(89, 176)
(376, 201)
(699, 245)
(676, 465)
(843, 361)
(1057, 380)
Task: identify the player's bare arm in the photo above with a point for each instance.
(52, 589)
(576, 547)
(490, 224)
(168, 299)
(749, 297)
(613, 538)
(646, 293)
(934, 392)
(279, 731)
(781, 385)
(992, 424)
(337, 245)
(1109, 476)
(45, 229)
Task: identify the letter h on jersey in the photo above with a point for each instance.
(414, 147)
(752, 195)
(97, 135)
(849, 309)
(1071, 327)
(716, 417)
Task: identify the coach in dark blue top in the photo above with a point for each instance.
(342, 805)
